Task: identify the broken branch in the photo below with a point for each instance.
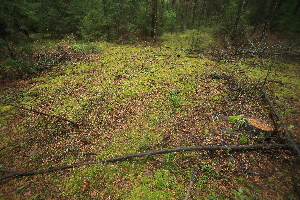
(41, 113)
(188, 193)
(288, 136)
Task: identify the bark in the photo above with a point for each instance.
(151, 153)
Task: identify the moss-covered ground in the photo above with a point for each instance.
(144, 97)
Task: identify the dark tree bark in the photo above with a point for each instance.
(259, 13)
(105, 12)
(297, 8)
(154, 20)
(194, 12)
(185, 13)
(269, 19)
(173, 3)
(242, 7)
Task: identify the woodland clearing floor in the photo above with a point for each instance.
(133, 99)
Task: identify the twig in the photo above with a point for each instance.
(188, 193)
(164, 151)
(38, 112)
(268, 73)
(288, 136)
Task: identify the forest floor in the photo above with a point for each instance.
(140, 98)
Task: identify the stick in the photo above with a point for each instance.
(188, 193)
(164, 151)
(38, 112)
(288, 136)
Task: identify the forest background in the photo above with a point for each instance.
(23, 22)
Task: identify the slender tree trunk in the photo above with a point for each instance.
(269, 19)
(242, 7)
(154, 20)
(297, 8)
(186, 8)
(194, 12)
(105, 12)
(259, 14)
(173, 3)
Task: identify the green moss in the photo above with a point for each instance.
(159, 186)
(237, 121)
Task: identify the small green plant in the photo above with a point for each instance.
(262, 134)
(243, 140)
(237, 121)
(34, 158)
(239, 194)
(290, 127)
(175, 99)
(87, 48)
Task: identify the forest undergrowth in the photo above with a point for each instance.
(143, 97)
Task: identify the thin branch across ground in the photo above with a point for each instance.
(151, 153)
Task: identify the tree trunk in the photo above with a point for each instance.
(269, 19)
(297, 8)
(173, 3)
(259, 14)
(107, 28)
(186, 8)
(242, 7)
(194, 12)
(154, 20)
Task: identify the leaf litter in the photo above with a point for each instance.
(137, 99)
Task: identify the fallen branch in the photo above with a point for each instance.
(164, 151)
(38, 112)
(288, 136)
(188, 193)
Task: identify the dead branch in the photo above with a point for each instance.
(163, 151)
(288, 136)
(188, 193)
(41, 113)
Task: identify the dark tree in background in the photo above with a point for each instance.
(154, 20)
(131, 20)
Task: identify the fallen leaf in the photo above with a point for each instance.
(93, 193)
(185, 130)
(218, 168)
(256, 178)
(27, 193)
(147, 171)
(86, 184)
